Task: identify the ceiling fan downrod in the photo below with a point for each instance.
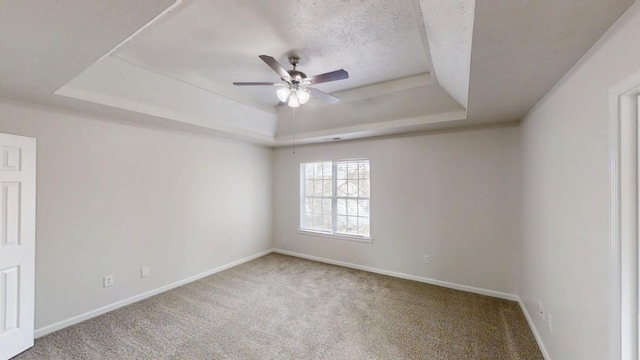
(297, 77)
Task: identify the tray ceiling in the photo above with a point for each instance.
(214, 43)
(171, 63)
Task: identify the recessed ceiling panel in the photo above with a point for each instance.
(214, 43)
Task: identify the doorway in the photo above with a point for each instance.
(624, 161)
(17, 243)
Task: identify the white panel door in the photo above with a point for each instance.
(17, 243)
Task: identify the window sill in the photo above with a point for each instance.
(363, 239)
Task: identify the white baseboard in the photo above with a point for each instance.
(534, 330)
(93, 313)
(446, 284)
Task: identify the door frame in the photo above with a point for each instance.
(21, 337)
(623, 217)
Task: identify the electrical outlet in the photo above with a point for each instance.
(427, 259)
(144, 271)
(541, 309)
(550, 323)
(284, 239)
(107, 280)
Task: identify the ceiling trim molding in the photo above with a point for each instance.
(385, 87)
(371, 129)
(146, 109)
(202, 83)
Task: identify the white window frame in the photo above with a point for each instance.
(334, 201)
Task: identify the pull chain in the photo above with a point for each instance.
(293, 126)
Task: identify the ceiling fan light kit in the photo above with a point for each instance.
(295, 90)
(292, 96)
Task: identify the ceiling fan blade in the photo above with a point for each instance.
(257, 84)
(330, 76)
(323, 95)
(275, 65)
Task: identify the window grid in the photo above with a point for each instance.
(316, 202)
(352, 209)
(346, 188)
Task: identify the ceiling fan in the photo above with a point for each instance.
(296, 89)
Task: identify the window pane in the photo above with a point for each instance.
(352, 207)
(317, 187)
(352, 170)
(308, 188)
(353, 188)
(308, 171)
(363, 170)
(363, 208)
(352, 224)
(327, 188)
(307, 220)
(341, 225)
(341, 170)
(326, 170)
(363, 189)
(342, 187)
(326, 222)
(317, 206)
(317, 170)
(341, 207)
(308, 205)
(326, 206)
(363, 226)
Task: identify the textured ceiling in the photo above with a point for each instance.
(214, 43)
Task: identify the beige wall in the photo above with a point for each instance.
(112, 198)
(451, 195)
(566, 188)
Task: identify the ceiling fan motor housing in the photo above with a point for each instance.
(297, 76)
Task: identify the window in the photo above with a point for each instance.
(335, 197)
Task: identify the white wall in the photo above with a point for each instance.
(452, 195)
(112, 198)
(565, 171)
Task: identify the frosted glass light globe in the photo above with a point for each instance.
(283, 94)
(293, 100)
(303, 96)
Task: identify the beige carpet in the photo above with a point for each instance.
(280, 307)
